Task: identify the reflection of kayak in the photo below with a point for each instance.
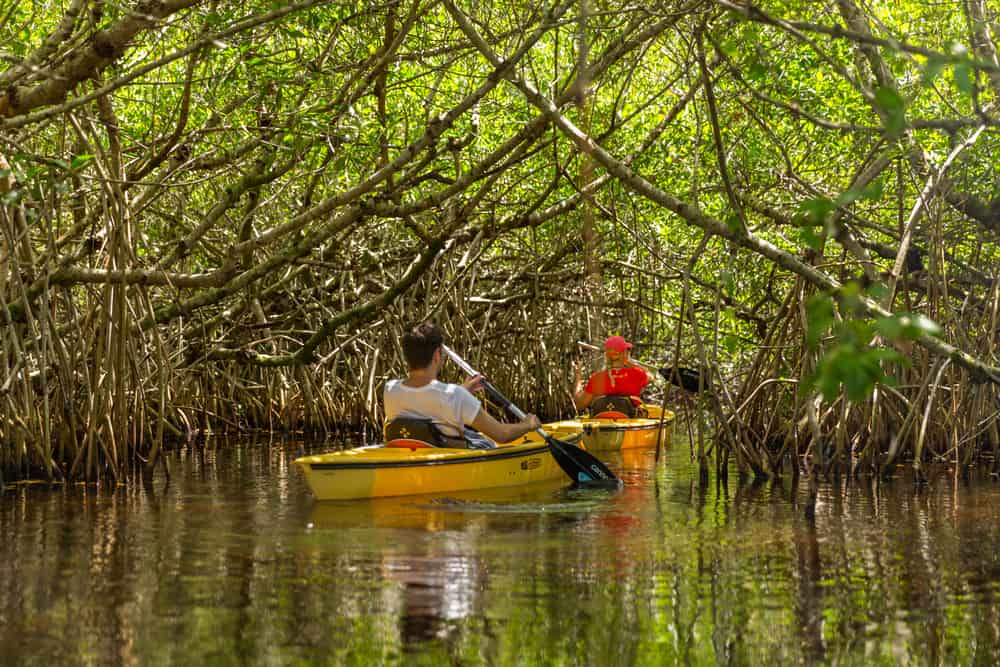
(432, 512)
(375, 472)
(627, 432)
(638, 459)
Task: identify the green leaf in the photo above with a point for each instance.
(907, 325)
(79, 161)
(811, 239)
(892, 104)
(854, 331)
(925, 325)
(889, 100)
(734, 223)
(756, 71)
(874, 190)
(889, 327)
(887, 355)
(819, 318)
(963, 78)
(728, 280)
(858, 384)
(829, 386)
(932, 70)
(813, 212)
(877, 290)
(848, 197)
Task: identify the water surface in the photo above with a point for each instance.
(231, 562)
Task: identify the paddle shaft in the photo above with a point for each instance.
(492, 391)
(580, 465)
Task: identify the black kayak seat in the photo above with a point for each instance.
(614, 406)
(417, 433)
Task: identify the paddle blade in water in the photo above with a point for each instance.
(580, 465)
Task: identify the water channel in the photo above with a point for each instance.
(231, 562)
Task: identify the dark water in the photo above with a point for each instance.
(232, 563)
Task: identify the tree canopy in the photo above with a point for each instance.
(224, 214)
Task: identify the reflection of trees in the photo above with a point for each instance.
(809, 596)
(892, 580)
(868, 578)
(217, 566)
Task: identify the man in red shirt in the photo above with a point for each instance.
(621, 378)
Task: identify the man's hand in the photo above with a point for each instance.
(532, 421)
(474, 383)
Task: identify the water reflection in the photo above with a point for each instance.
(231, 562)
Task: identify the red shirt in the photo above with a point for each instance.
(627, 381)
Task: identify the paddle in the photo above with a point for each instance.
(581, 466)
(687, 379)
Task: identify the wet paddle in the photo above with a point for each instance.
(582, 467)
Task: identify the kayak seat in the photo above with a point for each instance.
(417, 433)
(614, 407)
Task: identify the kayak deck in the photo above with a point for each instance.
(378, 471)
(627, 433)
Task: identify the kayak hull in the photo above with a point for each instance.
(378, 472)
(628, 433)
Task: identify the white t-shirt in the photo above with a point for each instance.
(450, 406)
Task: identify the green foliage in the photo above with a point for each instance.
(856, 370)
(819, 319)
(906, 326)
(303, 90)
(853, 360)
(813, 214)
(894, 107)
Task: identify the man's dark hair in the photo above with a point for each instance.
(420, 343)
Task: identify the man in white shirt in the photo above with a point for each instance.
(451, 407)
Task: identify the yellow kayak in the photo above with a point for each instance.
(624, 433)
(378, 471)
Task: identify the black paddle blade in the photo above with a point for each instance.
(687, 379)
(580, 465)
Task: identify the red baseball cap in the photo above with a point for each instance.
(617, 343)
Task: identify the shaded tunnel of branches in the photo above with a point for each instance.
(222, 218)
